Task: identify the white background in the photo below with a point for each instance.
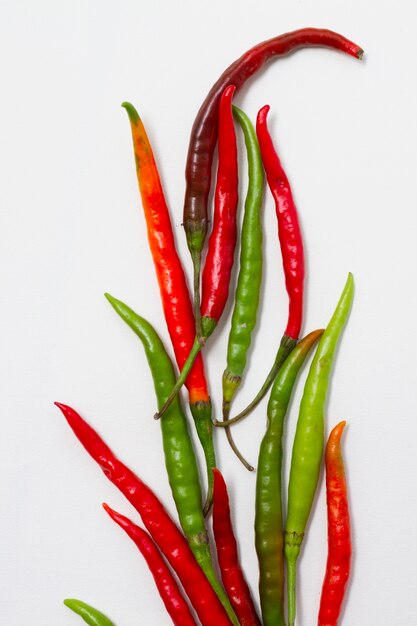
(72, 227)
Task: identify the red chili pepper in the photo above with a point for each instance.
(291, 244)
(288, 227)
(339, 542)
(204, 132)
(175, 296)
(162, 529)
(222, 242)
(232, 575)
(167, 586)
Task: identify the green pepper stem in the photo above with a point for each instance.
(291, 598)
(235, 449)
(196, 258)
(181, 378)
(286, 346)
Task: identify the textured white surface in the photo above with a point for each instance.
(72, 227)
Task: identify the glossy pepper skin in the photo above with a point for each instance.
(176, 301)
(204, 131)
(179, 454)
(222, 243)
(291, 244)
(160, 526)
(227, 555)
(338, 531)
(289, 231)
(269, 535)
(309, 441)
(89, 614)
(166, 584)
(250, 270)
(169, 271)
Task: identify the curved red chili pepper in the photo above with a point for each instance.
(288, 226)
(167, 586)
(232, 575)
(204, 131)
(162, 529)
(222, 242)
(338, 529)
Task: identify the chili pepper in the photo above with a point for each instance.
(338, 524)
(204, 131)
(308, 442)
(167, 586)
(291, 244)
(90, 615)
(172, 284)
(222, 243)
(227, 555)
(180, 459)
(249, 278)
(269, 539)
(160, 526)
(250, 271)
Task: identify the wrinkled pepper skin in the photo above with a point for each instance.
(269, 535)
(338, 532)
(309, 441)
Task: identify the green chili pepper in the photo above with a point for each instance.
(180, 459)
(90, 616)
(250, 272)
(269, 536)
(309, 442)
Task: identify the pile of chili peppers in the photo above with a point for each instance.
(184, 555)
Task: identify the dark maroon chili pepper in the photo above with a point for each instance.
(204, 132)
(172, 597)
(227, 555)
(160, 526)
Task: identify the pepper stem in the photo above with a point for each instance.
(181, 378)
(286, 346)
(196, 258)
(291, 599)
(235, 449)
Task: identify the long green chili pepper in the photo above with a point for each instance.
(269, 536)
(180, 459)
(250, 272)
(309, 442)
(90, 615)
